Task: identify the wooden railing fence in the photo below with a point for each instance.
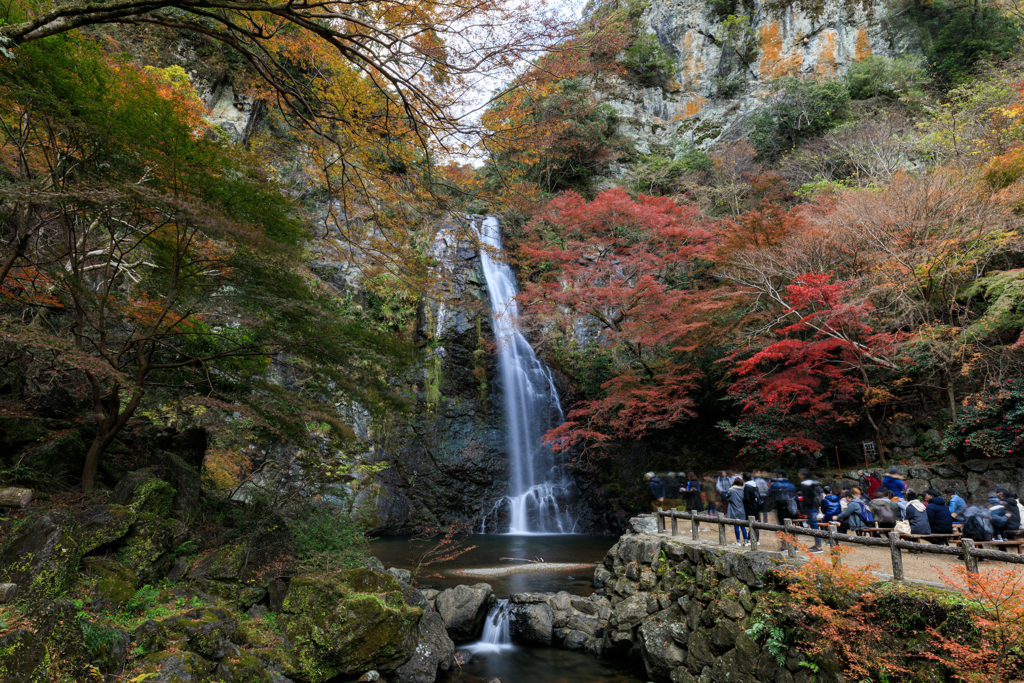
(967, 550)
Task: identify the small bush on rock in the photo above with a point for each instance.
(325, 539)
(797, 110)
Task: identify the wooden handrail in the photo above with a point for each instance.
(967, 551)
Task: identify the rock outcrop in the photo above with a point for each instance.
(721, 75)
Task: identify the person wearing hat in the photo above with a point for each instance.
(893, 481)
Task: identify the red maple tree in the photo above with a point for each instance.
(626, 275)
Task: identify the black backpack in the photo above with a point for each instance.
(886, 517)
(976, 529)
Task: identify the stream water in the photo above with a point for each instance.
(401, 551)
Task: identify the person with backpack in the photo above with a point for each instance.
(917, 515)
(656, 491)
(811, 495)
(893, 482)
(856, 514)
(753, 503)
(939, 519)
(881, 510)
(762, 490)
(977, 524)
(831, 505)
(782, 497)
(692, 493)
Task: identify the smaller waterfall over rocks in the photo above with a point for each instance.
(531, 407)
(496, 637)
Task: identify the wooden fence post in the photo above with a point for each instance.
(675, 524)
(695, 526)
(752, 536)
(897, 557)
(790, 549)
(721, 529)
(969, 559)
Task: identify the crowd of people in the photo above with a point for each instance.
(885, 502)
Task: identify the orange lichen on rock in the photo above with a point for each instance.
(827, 55)
(692, 67)
(693, 106)
(863, 48)
(774, 64)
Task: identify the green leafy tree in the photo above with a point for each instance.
(796, 110)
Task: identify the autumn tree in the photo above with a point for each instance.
(621, 279)
(818, 375)
(146, 254)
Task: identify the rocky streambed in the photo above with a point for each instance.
(113, 591)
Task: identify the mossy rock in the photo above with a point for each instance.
(337, 629)
(16, 432)
(63, 456)
(147, 547)
(23, 657)
(143, 491)
(106, 648)
(175, 667)
(206, 631)
(243, 667)
(102, 525)
(116, 582)
(42, 556)
(225, 564)
(244, 595)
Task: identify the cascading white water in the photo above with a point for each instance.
(531, 406)
(496, 636)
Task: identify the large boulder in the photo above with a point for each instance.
(185, 480)
(464, 609)
(531, 623)
(206, 631)
(103, 524)
(144, 491)
(42, 556)
(242, 667)
(175, 667)
(148, 547)
(434, 650)
(116, 582)
(23, 657)
(658, 646)
(348, 623)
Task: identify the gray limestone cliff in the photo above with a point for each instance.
(724, 66)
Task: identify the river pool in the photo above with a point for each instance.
(492, 550)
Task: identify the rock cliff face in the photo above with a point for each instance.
(724, 66)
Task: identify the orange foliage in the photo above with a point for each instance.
(225, 468)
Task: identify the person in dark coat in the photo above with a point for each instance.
(782, 497)
(917, 514)
(752, 502)
(939, 519)
(691, 491)
(671, 490)
(735, 509)
(656, 491)
(1009, 501)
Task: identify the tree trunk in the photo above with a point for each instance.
(108, 426)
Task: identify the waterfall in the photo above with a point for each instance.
(496, 637)
(530, 403)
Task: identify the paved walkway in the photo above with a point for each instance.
(921, 567)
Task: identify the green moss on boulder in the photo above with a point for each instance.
(42, 556)
(116, 582)
(175, 667)
(148, 545)
(23, 657)
(347, 623)
(242, 667)
(102, 525)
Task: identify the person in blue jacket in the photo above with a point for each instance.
(656, 490)
(956, 504)
(939, 519)
(893, 481)
(831, 505)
